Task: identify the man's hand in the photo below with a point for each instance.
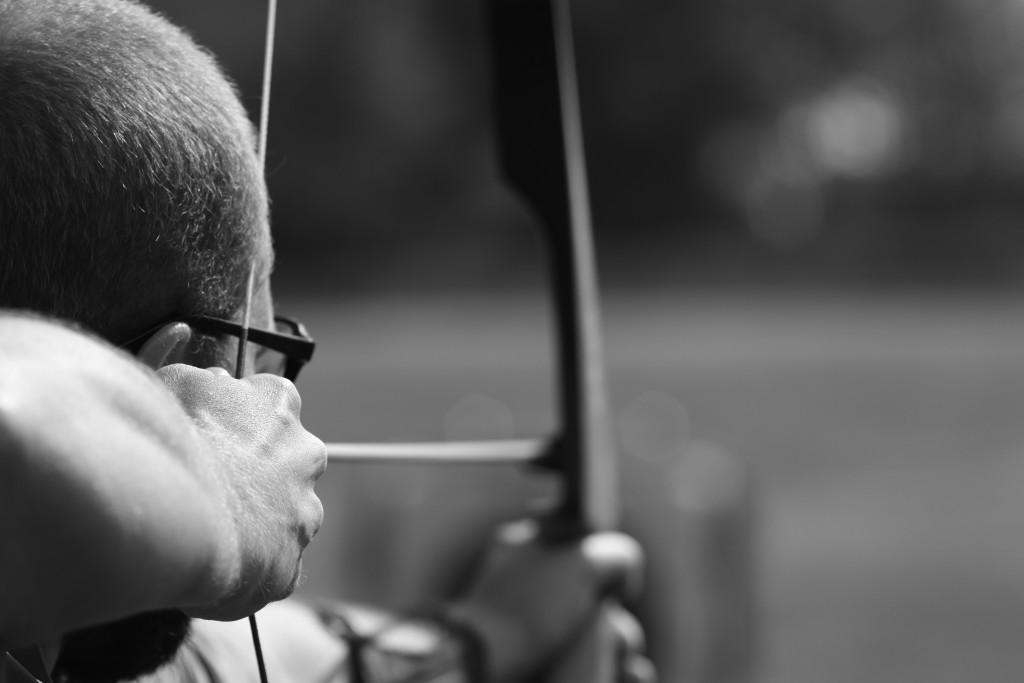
(534, 597)
(262, 468)
(122, 497)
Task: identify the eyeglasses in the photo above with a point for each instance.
(283, 352)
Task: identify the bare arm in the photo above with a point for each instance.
(118, 496)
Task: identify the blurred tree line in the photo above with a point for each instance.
(737, 141)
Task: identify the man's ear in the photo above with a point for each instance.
(167, 346)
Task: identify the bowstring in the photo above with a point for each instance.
(261, 155)
(243, 337)
(268, 63)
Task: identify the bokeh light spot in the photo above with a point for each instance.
(856, 129)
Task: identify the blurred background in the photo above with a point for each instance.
(807, 217)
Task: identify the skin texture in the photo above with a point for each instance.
(249, 470)
(143, 492)
(180, 501)
(236, 545)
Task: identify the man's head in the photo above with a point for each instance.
(129, 187)
(129, 193)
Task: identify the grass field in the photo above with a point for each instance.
(884, 436)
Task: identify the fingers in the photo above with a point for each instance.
(629, 635)
(616, 559)
(634, 666)
(638, 669)
(313, 519)
(610, 649)
(277, 389)
(267, 465)
(620, 560)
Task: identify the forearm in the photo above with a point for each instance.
(101, 510)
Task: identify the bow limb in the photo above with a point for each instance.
(541, 146)
(541, 149)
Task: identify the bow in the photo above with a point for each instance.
(541, 146)
(540, 139)
(541, 154)
(540, 143)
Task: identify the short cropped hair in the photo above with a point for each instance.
(129, 186)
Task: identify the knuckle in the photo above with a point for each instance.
(314, 519)
(291, 397)
(318, 516)
(278, 391)
(321, 458)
